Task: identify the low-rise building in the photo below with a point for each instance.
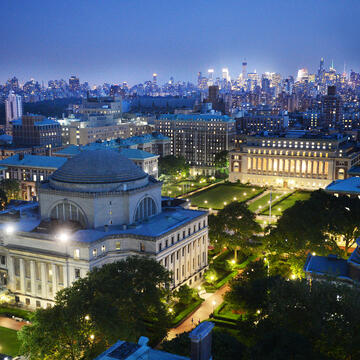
(36, 130)
(300, 161)
(30, 170)
(99, 207)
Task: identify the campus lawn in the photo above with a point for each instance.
(182, 187)
(9, 343)
(282, 205)
(264, 201)
(219, 196)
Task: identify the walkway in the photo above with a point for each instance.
(202, 313)
(11, 323)
(200, 189)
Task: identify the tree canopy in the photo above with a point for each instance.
(172, 165)
(322, 316)
(233, 226)
(11, 188)
(322, 224)
(122, 300)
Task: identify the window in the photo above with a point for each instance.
(166, 243)
(77, 273)
(103, 248)
(38, 303)
(142, 247)
(66, 211)
(145, 209)
(27, 301)
(2, 260)
(160, 247)
(94, 252)
(76, 253)
(117, 245)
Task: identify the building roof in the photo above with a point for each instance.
(347, 186)
(98, 166)
(123, 350)
(137, 154)
(196, 117)
(142, 139)
(34, 161)
(133, 154)
(327, 266)
(70, 150)
(158, 225)
(354, 170)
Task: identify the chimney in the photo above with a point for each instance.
(200, 339)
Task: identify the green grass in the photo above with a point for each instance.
(264, 201)
(9, 343)
(219, 196)
(288, 202)
(178, 188)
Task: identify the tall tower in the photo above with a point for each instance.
(13, 109)
(210, 77)
(154, 78)
(321, 67)
(244, 70)
(225, 74)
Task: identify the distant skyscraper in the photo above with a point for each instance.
(302, 74)
(154, 78)
(331, 108)
(74, 83)
(211, 77)
(13, 109)
(225, 74)
(244, 70)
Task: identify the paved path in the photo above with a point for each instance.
(202, 313)
(11, 323)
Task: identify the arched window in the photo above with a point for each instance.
(67, 211)
(145, 209)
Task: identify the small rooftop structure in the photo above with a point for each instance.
(123, 350)
(350, 186)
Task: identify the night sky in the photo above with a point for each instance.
(128, 40)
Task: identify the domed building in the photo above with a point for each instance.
(99, 207)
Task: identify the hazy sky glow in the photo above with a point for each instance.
(128, 40)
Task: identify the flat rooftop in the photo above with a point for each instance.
(169, 219)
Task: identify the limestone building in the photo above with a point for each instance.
(293, 160)
(99, 207)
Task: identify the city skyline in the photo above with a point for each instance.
(130, 41)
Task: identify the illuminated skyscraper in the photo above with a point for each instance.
(244, 70)
(13, 109)
(211, 77)
(154, 78)
(225, 74)
(302, 75)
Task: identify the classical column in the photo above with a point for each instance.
(11, 284)
(54, 279)
(22, 276)
(43, 281)
(33, 277)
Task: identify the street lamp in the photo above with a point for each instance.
(213, 304)
(9, 229)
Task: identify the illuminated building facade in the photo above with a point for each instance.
(197, 137)
(308, 162)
